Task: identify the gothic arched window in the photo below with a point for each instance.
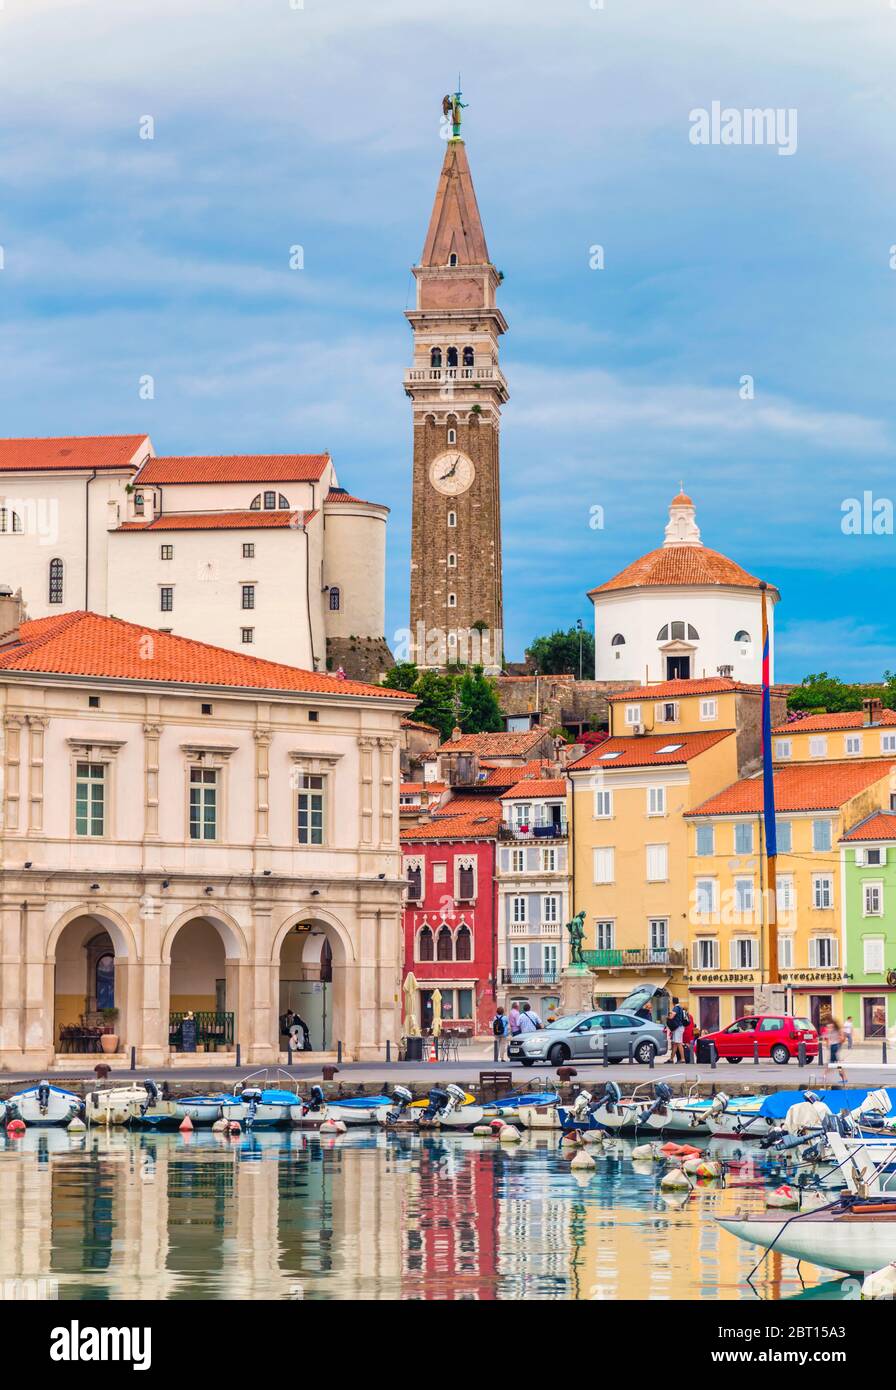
(452, 357)
(57, 571)
(424, 944)
(444, 944)
(435, 357)
(463, 944)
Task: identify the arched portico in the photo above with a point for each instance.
(90, 959)
(205, 959)
(311, 967)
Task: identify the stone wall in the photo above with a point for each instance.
(361, 658)
(558, 699)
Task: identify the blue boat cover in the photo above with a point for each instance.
(534, 1098)
(57, 1091)
(777, 1105)
(206, 1100)
(360, 1102)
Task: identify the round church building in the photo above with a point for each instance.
(680, 612)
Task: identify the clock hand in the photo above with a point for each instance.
(452, 470)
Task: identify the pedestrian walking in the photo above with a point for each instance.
(501, 1031)
(513, 1019)
(834, 1034)
(529, 1020)
(848, 1031)
(676, 1024)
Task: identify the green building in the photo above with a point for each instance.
(868, 873)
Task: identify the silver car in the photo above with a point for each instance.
(582, 1038)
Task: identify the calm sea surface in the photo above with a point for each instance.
(366, 1215)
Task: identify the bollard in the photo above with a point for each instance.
(652, 1058)
(134, 1057)
(238, 1053)
(801, 1054)
(756, 1054)
(883, 1049)
(631, 1052)
(495, 1051)
(820, 1058)
(606, 1051)
(388, 1050)
(713, 1055)
(289, 1052)
(339, 1051)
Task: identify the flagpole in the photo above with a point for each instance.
(768, 793)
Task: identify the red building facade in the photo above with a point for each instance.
(450, 915)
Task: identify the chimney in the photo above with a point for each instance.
(871, 711)
(12, 613)
(456, 734)
(725, 671)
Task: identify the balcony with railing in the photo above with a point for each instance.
(635, 959)
(533, 833)
(510, 976)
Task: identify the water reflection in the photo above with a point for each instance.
(363, 1216)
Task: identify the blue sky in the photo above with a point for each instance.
(319, 126)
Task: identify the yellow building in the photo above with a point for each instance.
(845, 737)
(728, 896)
(630, 860)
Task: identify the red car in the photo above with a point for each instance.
(778, 1035)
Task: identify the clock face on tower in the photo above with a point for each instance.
(451, 473)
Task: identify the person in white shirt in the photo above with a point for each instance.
(529, 1020)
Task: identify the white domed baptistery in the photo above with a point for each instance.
(681, 611)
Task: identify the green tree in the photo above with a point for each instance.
(558, 654)
(829, 693)
(479, 711)
(436, 701)
(402, 676)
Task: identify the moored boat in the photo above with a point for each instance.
(851, 1234)
(44, 1104)
(442, 1109)
(256, 1107)
(352, 1111)
(113, 1104)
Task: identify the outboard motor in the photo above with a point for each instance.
(152, 1095)
(720, 1103)
(456, 1097)
(581, 1105)
(610, 1097)
(401, 1099)
(436, 1099)
(662, 1095)
(251, 1098)
(316, 1100)
(43, 1096)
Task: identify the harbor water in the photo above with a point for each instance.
(369, 1215)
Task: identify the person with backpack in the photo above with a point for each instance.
(501, 1031)
(676, 1023)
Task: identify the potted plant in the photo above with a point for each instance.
(109, 1037)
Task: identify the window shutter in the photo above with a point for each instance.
(860, 856)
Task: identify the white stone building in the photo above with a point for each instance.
(534, 887)
(189, 828)
(259, 553)
(681, 611)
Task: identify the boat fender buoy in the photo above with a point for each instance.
(672, 1150)
(582, 1160)
(783, 1196)
(496, 1125)
(674, 1180)
(594, 1136)
(15, 1127)
(76, 1126)
(880, 1284)
(185, 1125)
(219, 1126)
(234, 1127)
(509, 1134)
(650, 1151)
(484, 1131)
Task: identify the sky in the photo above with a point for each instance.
(738, 339)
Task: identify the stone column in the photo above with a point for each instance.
(263, 990)
(388, 793)
(365, 792)
(36, 729)
(153, 982)
(14, 723)
(262, 784)
(38, 984)
(151, 735)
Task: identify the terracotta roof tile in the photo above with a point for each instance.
(680, 565)
(808, 787)
(236, 468)
(881, 826)
(507, 776)
(222, 521)
(118, 451)
(645, 750)
(501, 745)
(844, 719)
(339, 494)
(477, 822)
(417, 724)
(431, 788)
(534, 787)
(86, 644)
(666, 690)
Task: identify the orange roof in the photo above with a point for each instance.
(508, 776)
(681, 565)
(86, 644)
(479, 821)
(221, 521)
(502, 745)
(880, 826)
(455, 224)
(646, 750)
(339, 494)
(533, 787)
(666, 690)
(808, 787)
(845, 719)
(433, 788)
(418, 724)
(681, 499)
(93, 451)
(236, 468)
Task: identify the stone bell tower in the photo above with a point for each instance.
(456, 391)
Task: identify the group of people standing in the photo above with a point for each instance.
(521, 1018)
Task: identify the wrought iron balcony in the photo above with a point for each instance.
(534, 833)
(509, 976)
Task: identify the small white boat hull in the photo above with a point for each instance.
(742, 1124)
(279, 1116)
(351, 1115)
(112, 1106)
(543, 1117)
(849, 1246)
(465, 1117)
(200, 1113)
(60, 1109)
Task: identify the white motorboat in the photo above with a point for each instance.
(352, 1111)
(444, 1109)
(44, 1104)
(662, 1111)
(201, 1111)
(849, 1234)
(113, 1105)
(256, 1105)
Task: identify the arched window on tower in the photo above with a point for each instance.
(617, 640)
(452, 518)
(468, 356)
(452, 259)
(335, 598)
(663, 634)
(742, 636)
(57, 575)
(444, 944)
(425, 944)
(693, 634)
(452, 357)
(435, 357)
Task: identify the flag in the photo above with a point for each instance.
(768, 781)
